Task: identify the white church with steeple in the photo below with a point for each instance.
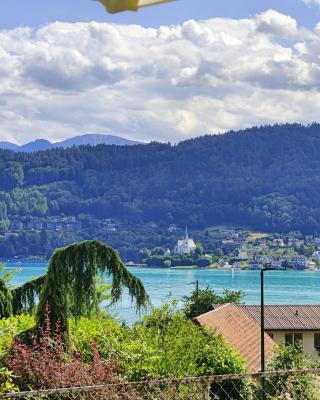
(186, 245)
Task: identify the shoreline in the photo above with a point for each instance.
(19, 262)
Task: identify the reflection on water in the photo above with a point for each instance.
(280, 286)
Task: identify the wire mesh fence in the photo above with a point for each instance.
(284, 385)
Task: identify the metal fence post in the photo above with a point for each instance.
(207, 395)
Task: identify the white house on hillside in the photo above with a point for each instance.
(186, 245)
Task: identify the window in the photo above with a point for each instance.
(317, 341)
(293, 339)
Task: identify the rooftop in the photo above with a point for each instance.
(240, 331)
(291, 317)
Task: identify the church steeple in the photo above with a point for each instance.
(187, 235)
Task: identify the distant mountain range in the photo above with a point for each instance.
(92, 140)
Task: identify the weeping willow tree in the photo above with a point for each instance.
(70, 286)
(25, 297)
(5, 300)
(5, 294)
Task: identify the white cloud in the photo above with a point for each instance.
(277, 24)
(312, 2)
(167, 84)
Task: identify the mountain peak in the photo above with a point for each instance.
(82, 140)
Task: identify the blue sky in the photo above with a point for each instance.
(15, 13)
(184, 69)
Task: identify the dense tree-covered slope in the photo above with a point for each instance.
(267, 178)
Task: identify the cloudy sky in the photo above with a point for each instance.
(167, 73)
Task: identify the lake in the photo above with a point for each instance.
(300, 287)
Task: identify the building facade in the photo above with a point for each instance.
(186, 245)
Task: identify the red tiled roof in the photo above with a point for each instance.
(286, 317)
(240, 331)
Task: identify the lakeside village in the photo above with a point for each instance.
(238, 249)
(173, 246)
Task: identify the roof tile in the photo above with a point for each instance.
(240, 331)
(286, 317)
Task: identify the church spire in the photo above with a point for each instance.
(187, 235)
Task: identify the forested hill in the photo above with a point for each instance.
(267, 178)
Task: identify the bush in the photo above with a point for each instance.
(6, 382)
(168, 345)
(10, 328)
(299, 387)
(203, 262)
(45, 363)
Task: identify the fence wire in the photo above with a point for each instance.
(284, 385)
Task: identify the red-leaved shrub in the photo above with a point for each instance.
(47, 363)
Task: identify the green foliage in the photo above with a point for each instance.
(204, 300)
(167, 344)
(6, 382)
(300, 387)
(12, 175)
(12, 327)
(231, 178)
(73, 286)
(5, 294)
(25, 297)
(70, 283)
(5, 300)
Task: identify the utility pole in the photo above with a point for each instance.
(267, 267)
(197, 297)
(263, 364)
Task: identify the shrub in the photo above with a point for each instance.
(167, 344)
(6, 382)
(45, 363)
(299, 387)
(10, 328)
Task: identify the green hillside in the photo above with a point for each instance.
(267, 178)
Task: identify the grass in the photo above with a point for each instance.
(257, 235)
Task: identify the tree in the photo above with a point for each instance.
(70, 286)
(5, 295)
(202, 301)
(300, 387)
(167, 344)
(199, 250)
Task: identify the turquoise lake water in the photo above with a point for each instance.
(280, 286)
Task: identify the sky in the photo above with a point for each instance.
(166, 73)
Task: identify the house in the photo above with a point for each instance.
(69, 219)
(172, 228)
(278, 242)
(316, 255)
(56, 219)
(255, 265)
(299, 262)
(295, 243)
(16, 225)
(186, 245)
(74, 225)
(312, 265)
(34, 225)
(240, 331)
(237, 265)
(242, 255)
(110, 225)
(55, 224)
(288, 324)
